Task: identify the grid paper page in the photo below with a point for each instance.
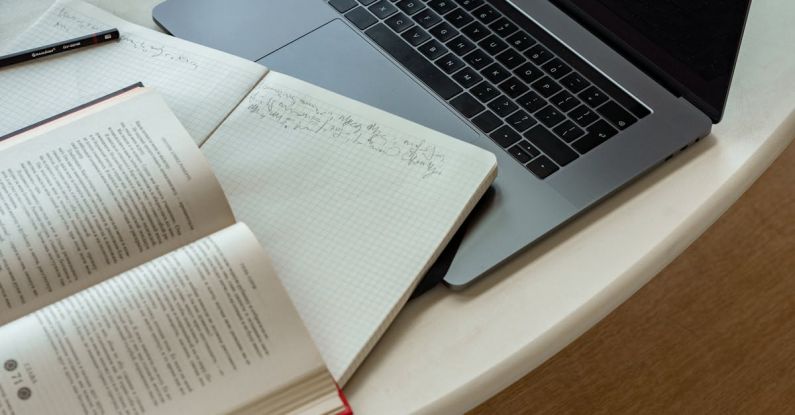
(200, 85)
(351, 203)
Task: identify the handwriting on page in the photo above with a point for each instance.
(71, 22)
(295, 112)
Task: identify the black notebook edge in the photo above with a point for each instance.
(73, 110)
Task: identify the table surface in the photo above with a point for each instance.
(448, 351)
(712, 333)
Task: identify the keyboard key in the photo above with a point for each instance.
(505, 136)
(342, 6)
(549, 116)
(399, 22)
(449, 63)
(597, 134)
(602, 129)
(475, 30)
(413, 61)
(546, 87)
(441, 6)
(484, 91)
(556, 68)
(513, 87)
(528, 72)
(510, 58)
(583, 116)
(478, 59)
(542, 167)
(502, 106)
(460, 45)
(568, 131)
(495, 73)
(636, 107)
(520, 121)
(565, 101)
(538, 54)
(426, 18)
(444, 32)
(470, 4)
(531, 101)
(521, 41)
(383, 9)
(486, 14)
(503, 27)
(529, 148)
(493, 45)
(416, 36)
(574, 82)
(593, 97)
(467, 105)
(519, 154)
(487, 121)
(467, 77)
(410, 7)
(458, 18)
(361, 18)
(433, 49)
(616, 115)
(551, 145)
(366, 2)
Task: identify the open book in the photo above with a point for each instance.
(127, 286)
(352, 204)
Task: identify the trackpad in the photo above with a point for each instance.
(337, 58)
(247, 28)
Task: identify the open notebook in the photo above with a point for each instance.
(353, 204)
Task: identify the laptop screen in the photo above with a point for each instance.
(688, 45)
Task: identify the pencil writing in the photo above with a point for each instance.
(300, 113)
(71, 22)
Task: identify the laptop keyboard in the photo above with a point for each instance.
(531, 94)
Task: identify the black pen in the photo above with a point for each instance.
(55, 48)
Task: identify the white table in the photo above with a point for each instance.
(447, 351)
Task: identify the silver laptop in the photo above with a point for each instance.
(575, 97)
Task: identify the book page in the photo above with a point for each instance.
(98, 193)
(352, 204)
(201, 85)
(204, 329)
